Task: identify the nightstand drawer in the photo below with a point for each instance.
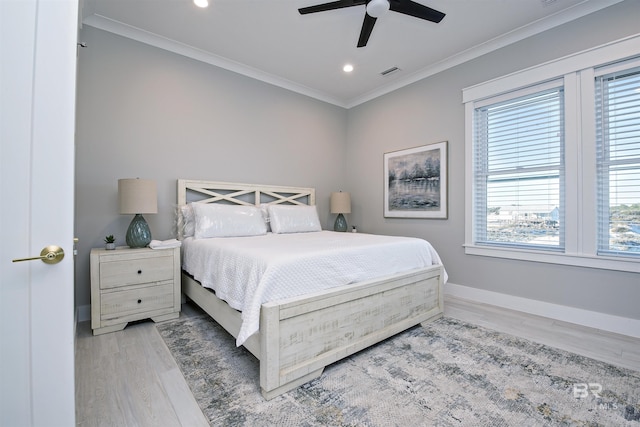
(118, 304)
(114, 274)
(130, 284)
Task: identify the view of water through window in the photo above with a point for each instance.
(618, 148)
(521, 165)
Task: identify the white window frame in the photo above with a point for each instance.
(578, 73)
(522, 93)
(623, 66)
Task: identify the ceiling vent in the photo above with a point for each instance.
(391, 70)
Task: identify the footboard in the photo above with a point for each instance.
(299, 337)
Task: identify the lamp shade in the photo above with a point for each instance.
(340, 203)
(137, 196)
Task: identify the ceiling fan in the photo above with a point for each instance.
(375, 9)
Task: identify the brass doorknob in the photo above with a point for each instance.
(49, 255)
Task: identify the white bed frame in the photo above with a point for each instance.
(299, 336)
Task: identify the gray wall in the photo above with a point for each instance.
(431, 110)
(144, 112)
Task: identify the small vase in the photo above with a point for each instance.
(110, 246)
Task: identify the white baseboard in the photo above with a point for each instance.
(592, 319)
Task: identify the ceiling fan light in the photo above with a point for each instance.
(377, 8)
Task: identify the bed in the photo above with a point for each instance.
(295, 337)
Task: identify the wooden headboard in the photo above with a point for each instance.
(242, 194)
(193, 191)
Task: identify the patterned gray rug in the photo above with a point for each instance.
(448, 374)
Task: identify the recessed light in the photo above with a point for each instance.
(347, 68)
(201, 3)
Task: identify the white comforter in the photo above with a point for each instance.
(249, 271)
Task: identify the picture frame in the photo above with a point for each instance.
(415, 182)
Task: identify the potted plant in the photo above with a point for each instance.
(110, 242)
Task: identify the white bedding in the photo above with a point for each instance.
(249, 271)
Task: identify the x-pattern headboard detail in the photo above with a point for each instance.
(242, 194)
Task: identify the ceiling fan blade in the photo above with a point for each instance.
(416, 10)
(367, 27)
(331, 6)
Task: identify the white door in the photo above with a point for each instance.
(37, 109)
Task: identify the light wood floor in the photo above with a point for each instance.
(129, 378)
(619, 350)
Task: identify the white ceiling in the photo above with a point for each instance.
(270, 41)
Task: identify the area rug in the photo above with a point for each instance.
(449, 373)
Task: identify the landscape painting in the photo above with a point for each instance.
(415, 182)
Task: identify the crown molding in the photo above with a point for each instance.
(116, 27)
(577, 11)
(536, 27)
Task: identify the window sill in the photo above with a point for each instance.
(576, 260)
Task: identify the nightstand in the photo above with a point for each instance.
(133, 284)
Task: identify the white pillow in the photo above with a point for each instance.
(218, 220)
(293, 219)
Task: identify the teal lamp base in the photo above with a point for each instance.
(341, 223)
(138, 233)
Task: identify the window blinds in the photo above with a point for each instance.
(618, 162)
(519, 171)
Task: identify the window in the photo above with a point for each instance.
(519, 171)
(553, 161)
(618, 159)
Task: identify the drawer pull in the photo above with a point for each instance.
(139, 301)
(139, 271)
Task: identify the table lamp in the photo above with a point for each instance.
(340, 204)
(138, 196)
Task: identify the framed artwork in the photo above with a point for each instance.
(415, 182)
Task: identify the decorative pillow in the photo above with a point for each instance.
(293, 219)
(218, 220)
(264, 208)
(188, 221)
